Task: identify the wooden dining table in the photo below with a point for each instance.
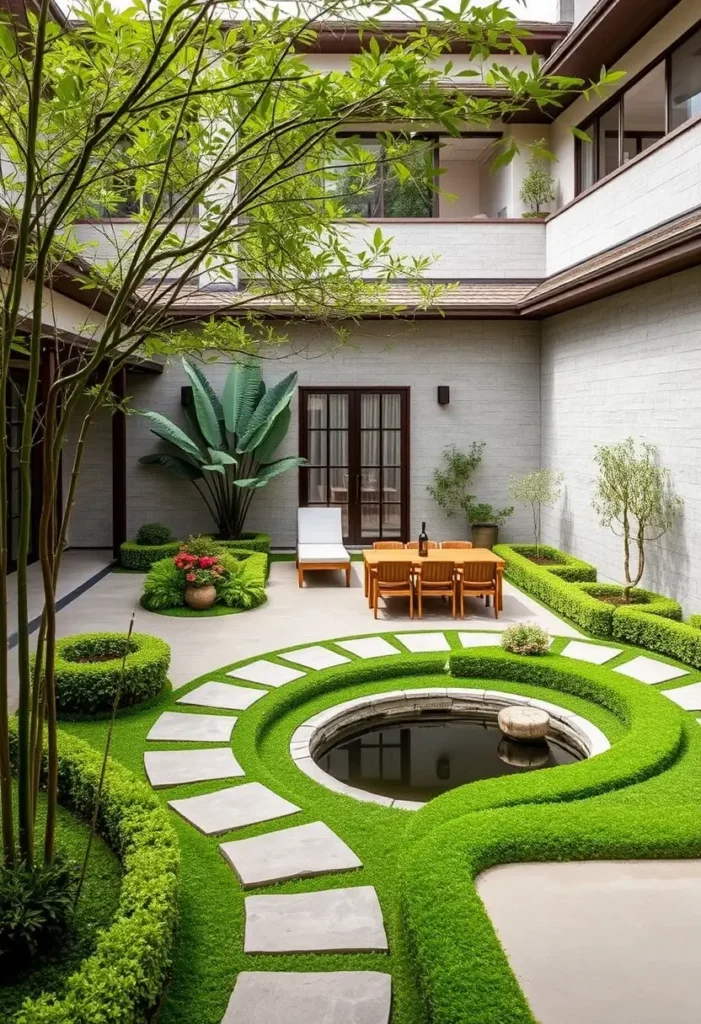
(371, 556)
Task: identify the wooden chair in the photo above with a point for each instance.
(460, 545)
(392, 579)
(413, 545)
(387, 545)
(478, 579)
(435, 579)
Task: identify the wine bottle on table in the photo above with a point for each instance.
(423, 542)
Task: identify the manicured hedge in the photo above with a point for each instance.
(568, 568)
(88, 687)
(125, 977)
(680, 640)
(646, 601)
(695, 621)
(563, 597)
(140, 557)
(249, 542)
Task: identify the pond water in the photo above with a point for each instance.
(419, 759)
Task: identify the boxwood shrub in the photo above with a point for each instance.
(89, 666)
(569, 568)
(646, 601)
(634, 625)
(695, 621)
(140, 557)
(124, 979)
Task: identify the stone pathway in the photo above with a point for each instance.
(304, 851)
(266, 672)
(179, 767)
(175, 725)
(335, 997)
(649, 670)
(595, 654)
(222, 695)
(229, 809)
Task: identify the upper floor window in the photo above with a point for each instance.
(383, 192)
(657, 102)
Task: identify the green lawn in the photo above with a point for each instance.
(641, 798)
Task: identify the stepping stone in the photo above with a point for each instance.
(301, 852)
(176, 767)
(595, 654)
(330, 921)
(419, 642)
(334, 997)
(237, 807)
(687, 697)
(480, 639)
(648, 670)
(174, 725)
(266, 672)
(368, 647)
(223, 695)
(315, 657)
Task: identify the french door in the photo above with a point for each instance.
(356, 442)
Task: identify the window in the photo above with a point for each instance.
(382, 192)
(662, 99)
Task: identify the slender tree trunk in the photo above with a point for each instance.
(47, 541)
(8, 838)
(626, 556)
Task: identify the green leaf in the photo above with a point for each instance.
(214, 468)
(179, 467)
(169, 432)
(239, 396)
(272, 470)
(211, 393)
(206, 413)
(579, 134)
(272, 403)
(221, 458)
(274, 436)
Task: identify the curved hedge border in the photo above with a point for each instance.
(124, 979)
(568, 568)
(678, 640)
(87, 687)
(646, 601)
(140, 557)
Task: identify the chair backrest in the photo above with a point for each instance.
(394, 572)
(388, 545)
(456, 544)
(319, 526)
(412, 545)
(437, 571)
(479, 572)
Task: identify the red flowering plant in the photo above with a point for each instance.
(200, 571)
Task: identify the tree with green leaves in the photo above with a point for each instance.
(221, 144)
(451, 483)
(634, 498)
(228, 455)
(538, 188)
(539, 489)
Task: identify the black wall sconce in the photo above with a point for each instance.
(186, 396)
(443, 394)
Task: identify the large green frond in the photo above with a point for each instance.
(206, 411)
(274, 436)
(239, 396)
(272, 403)
(179, 467)
(169, 432)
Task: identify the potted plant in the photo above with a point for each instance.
(450, 491)
(538, 188)
(202, 573)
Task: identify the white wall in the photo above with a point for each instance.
(493, 372)
(91, 519)
(626, 366)
(462, 181)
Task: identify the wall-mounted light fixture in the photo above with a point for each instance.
(186, 396)
(443, 394)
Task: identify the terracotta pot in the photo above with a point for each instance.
(200, 598)
(484, 535)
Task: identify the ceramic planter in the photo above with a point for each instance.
(200, 598)
(484, 535)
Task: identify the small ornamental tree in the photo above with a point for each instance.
(634, 497)
(540, 488)
(538, 187)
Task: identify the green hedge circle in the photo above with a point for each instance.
(89, 668)
(124, 978)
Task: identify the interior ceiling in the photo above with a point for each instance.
(469, 148)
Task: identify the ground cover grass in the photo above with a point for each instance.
(96, 908)
(438, 932)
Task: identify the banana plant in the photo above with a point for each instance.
(227, 453)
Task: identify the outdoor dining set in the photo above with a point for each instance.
(452, 570)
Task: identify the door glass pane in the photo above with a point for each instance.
(369, 448)
(317, 486)
(370, 520)
(644, 112)
(369, 411)
(370, 485)
(338, 447)
(317, 448)
(391, 520)
(587, 157)
(391, 447)
(338, 411)
(344, 517)
(338, 484)
(316, 411)
(392, 482)
(685, 82)
(392, 411)
(609, 135)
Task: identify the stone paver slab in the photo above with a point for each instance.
(316, 657)
(236, 807)
(178, 725)
(267, 673)
(334, 997)
(595, 654)
(222, 695)
(368, 647)
(304, 851)
(687, 697)
(333, 921)
(480, 639)
(420, 642)
(177, 767)
(649, 670)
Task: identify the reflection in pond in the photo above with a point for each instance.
(420, 759)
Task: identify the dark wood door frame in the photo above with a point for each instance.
(354, 451)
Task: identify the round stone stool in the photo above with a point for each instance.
(524, 723)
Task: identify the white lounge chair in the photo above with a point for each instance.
(320, 542)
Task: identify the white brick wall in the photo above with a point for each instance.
(628, 365)
(493, 372)
(661, 186)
